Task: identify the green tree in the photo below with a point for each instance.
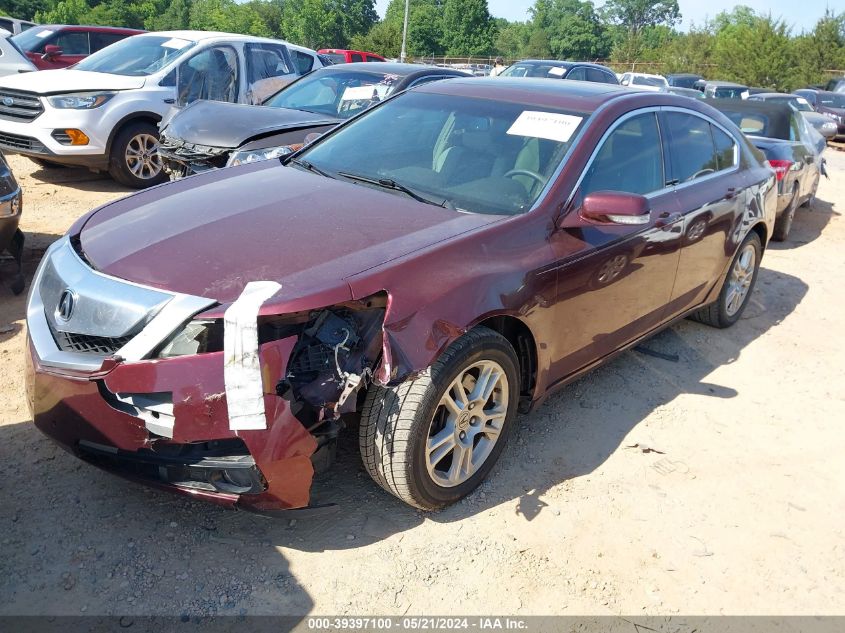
(64, 12)
(385, 38)
(175, 17)
(512, 39)
(633, 18)
(573, 28)
(538, 45)
(468, 28)
(326, 23)
(821, 49)
(23, 9)
(425, 25)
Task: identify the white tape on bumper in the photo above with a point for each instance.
(242, 369)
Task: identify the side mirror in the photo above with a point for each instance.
(615, 207)
(51, 51)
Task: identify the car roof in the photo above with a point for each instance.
(201, 36)
(560, 63)
(577, 96)
(726, 84)
(770, 95)
(684, 75)
(92, 27)
(777, 114)
(395, 68)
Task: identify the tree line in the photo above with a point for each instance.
(740, 45)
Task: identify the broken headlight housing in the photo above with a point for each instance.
(244, 157)
(197, 337)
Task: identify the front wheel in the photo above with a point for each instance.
(430, 441)
(134, 159)
(738, 286)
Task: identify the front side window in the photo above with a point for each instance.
(33, 40)
(577, 74)
(72, 43)
(691, 143)
(336, 93)
(267, 70)
(211, 75)
(136, 56)
(471, 154)
(101, 40)
(630, 159)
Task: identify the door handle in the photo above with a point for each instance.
(731, 193)
(169, 101)
(667, 218)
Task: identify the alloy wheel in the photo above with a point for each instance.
(467, 423)
(142, 157)
(741, 277)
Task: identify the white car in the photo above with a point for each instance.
(12, 60)
(104, 112)
(643, 81)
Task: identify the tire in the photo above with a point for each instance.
(721, 313)
(398, 422)
(46, 164)
(784, 223)
(134, 159)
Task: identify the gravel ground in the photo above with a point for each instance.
(710, 485)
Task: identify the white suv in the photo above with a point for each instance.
(104, 112)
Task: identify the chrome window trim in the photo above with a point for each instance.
(638, 112)
(178, 310)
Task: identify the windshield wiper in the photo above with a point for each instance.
(389, 183)
(309, 166)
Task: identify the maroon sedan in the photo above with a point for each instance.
(435, 265)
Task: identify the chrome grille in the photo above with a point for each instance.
(16, 105)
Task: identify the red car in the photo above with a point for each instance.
(436, 264)
(60, 46)
(342, 56)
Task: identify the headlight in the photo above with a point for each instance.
(80, 100)
(247, 156)
(197, 337)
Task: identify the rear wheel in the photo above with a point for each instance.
(738, 286)
(431, 440)
(134, 159)
(784, 223)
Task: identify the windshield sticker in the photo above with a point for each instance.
(546, 125)
(803, 101)
(365, 93)
(175, 43)
(44, 33)
(557, 71)
(389, 79)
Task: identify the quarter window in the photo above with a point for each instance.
(303, 62)
(691, 142)
(630, 160)
(370, 58)
(725, 148)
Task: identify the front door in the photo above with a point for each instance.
(615, 281)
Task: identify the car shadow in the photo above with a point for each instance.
(808, 225)
(78, 178)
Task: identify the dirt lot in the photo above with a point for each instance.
(740, 512)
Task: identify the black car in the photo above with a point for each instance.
(830, 103)
(683, 80)
(11, 237)
(552, 69)
(211, 134)
(788, 142)
(725, 90)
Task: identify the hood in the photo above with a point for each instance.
(218, 124)
(209, 235)
(50, 82)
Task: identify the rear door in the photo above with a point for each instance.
(704, 169)
(615, 281)
(268, 69)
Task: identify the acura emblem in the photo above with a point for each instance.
(8, 101)
(67, 302)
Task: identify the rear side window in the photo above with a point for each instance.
(725, 149)
(578, 74)
(357, 57)
(630, 160)
(302, 61)
(8, 25)
(101, 40)
(72, 43)
(594, 74)
(691, 142)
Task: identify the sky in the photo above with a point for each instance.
(800, 15)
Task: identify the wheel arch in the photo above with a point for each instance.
(135, 117)
(762, 232)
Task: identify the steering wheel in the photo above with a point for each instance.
(526, 172)
(701, 172)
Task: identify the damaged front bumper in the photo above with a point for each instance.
(111, 399)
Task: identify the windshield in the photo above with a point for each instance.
(534, 69)
(832, 99)
(31, 39)
(335, 93)
(136, 56)
(475, 155)
(729, 93)
(656, 82)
